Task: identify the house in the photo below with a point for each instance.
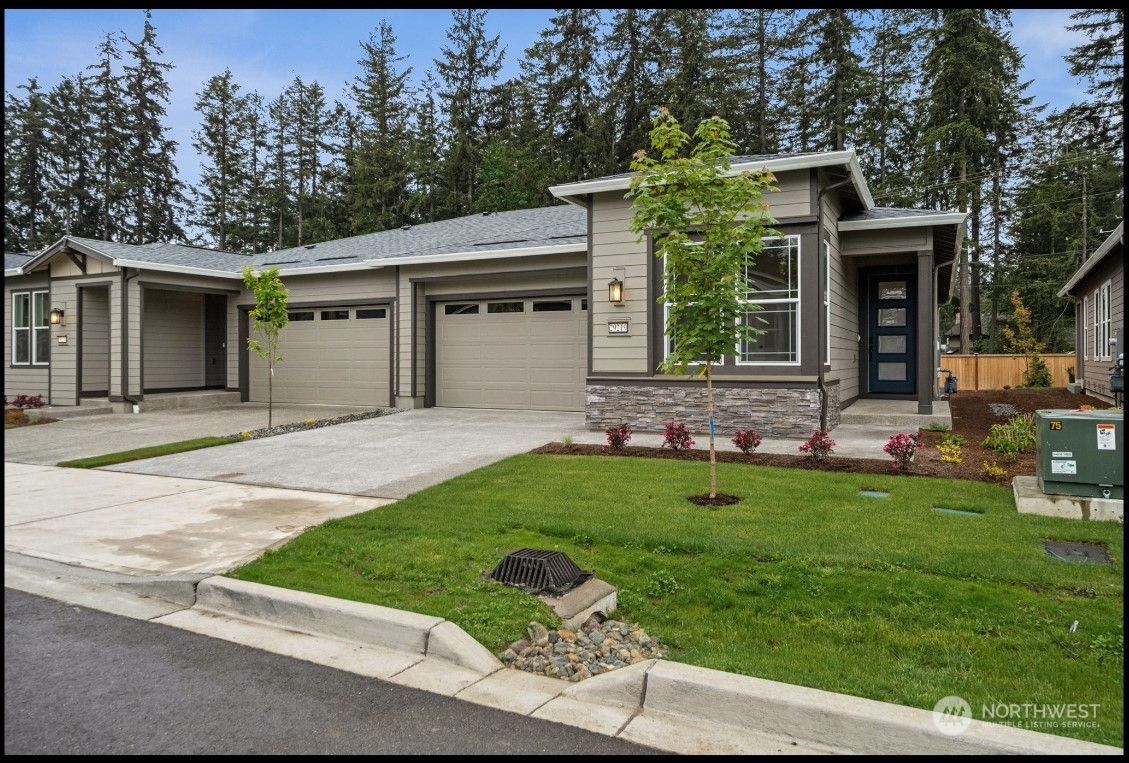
(1098, 291)
(507, 310)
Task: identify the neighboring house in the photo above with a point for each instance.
(1098, 291)
(508, 310)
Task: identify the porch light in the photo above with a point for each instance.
(56, 316)
(615, 291)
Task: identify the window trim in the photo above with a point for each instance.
(827, 301)
(736, 362)
(1103, 321)
(798, 333)
(1085, 327)
(33, 360)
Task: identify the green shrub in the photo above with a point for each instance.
(1015, 436)
(1038, 372)
(937, 426)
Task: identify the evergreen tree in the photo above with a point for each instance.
(886, 138)
(224, 141)
(974, 96)
(628, 77)
(757, 42)
(377, 186)
(155, 195)
(70, 184)
(108, 148)
(469, 65)
(684, 49)
(426, 195)
(839, 79)
(27, 209)
(1100, 62)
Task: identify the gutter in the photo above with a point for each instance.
(821, 253)
(125, 339)
(495, 254)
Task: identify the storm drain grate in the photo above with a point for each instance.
(1077, 552)
(538, 571)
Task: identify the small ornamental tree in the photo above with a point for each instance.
(268, 317)
(707, 225)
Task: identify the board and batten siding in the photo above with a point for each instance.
(844, 307)
(173, 341)
(1095, 370)
(94, 333)
(22, 380)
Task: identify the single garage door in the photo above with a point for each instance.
(512, 353)
(331, 355)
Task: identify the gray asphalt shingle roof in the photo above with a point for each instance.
(518, 229)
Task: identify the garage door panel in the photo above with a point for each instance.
(335, 362)
(523, 360)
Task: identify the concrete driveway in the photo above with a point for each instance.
(387, 457)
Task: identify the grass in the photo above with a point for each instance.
(152, 451)
(804, 581)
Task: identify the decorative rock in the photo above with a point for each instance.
(600, 646)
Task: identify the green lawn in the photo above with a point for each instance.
(153, 451)
(804, 581)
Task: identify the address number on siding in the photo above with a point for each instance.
(619, 327)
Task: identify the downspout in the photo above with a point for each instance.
(125, 339)
(821, 253)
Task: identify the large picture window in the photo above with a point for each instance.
(774, 281)
(31, 331)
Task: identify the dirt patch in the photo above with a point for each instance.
(17, 417)
(973, 413)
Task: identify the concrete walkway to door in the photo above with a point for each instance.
(386, 457)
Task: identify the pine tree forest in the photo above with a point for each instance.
(930, 99)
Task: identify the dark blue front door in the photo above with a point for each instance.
(893, 317)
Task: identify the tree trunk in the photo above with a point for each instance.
(709, 411)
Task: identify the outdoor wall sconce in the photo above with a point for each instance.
(615, 288)
(56, 316)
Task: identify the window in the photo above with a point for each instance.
(335, 315)
(302, 315)
(555, 306)
(775, 287)
(505, 307)
(371, 313)
(1102, 322)
(774, 282)
(31, 330)
(471, 309)
(1085, 328)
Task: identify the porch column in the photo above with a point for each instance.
(926, 333)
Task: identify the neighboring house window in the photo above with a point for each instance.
(775, 282)
(1102, 323)
(1085, 328)
(31, 332)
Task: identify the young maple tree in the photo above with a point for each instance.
(269, 316)
(708, 225)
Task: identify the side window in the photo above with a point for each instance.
(31, 329)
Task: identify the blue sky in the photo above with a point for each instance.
(267, 49)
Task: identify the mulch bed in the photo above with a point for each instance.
(973, 416)
(17, 417)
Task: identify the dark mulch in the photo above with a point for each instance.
(973, 416)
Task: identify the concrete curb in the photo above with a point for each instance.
(369, 624)
(672, 706)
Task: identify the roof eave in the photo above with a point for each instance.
(941, 218)
(570, 192)
(1118, 236)
(183, 269)
(495, 254)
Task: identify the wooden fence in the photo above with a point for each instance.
(999, 371)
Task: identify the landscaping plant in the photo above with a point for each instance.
(677, 437)
(707, 227)
(746, 440)
(901, 448)
(618, 436)
(818, 447)
(269, 317)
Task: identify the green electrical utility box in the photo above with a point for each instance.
(1080, 453)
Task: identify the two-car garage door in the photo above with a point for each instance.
(331, 355)
(527, 353)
